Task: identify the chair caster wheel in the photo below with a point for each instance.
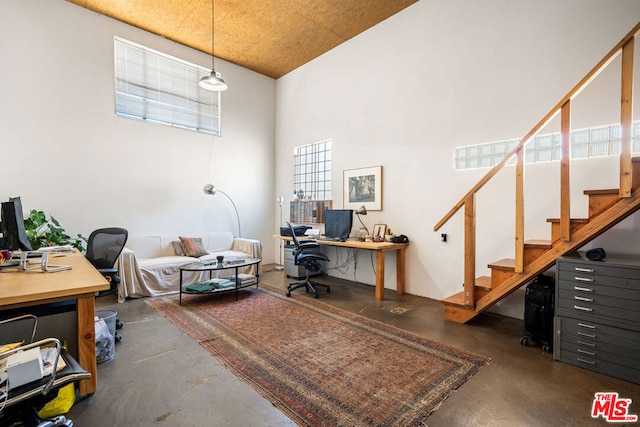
(119, 324)
(547, 348)
(288, 294)
(118, 337)
(316, 295)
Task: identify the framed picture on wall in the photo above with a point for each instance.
(362, 187)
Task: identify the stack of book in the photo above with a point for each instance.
(243, 279)
(208, 285)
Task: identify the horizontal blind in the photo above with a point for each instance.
(156, 87)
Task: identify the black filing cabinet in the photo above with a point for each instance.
(597, 321)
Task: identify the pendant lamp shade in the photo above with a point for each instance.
(212, 82)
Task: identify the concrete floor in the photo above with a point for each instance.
(160, 376)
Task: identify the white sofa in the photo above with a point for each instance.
(149, 266)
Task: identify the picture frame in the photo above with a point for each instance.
(379, 231)
(362, 187)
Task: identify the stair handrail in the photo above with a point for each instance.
(604, 62)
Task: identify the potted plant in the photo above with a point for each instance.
(43, 231)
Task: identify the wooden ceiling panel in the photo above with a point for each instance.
(271, 37)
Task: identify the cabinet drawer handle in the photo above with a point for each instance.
(576, 297)
(577, 307)
(590, 362)
(588, 353)
(581, 289)
(583, 279)
(584, 325)
(582, 334)
(589, 344)
(584, 270)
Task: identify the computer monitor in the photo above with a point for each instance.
(337, 223)
(13, 231)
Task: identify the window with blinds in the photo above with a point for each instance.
(159, 88)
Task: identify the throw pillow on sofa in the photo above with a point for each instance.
(177, 248)
(193, 246)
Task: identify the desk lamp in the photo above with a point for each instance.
(210, 189)
(362, 211)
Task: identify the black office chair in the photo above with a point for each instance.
(20, 405)
(307, 254)
(103, 249)
(104, 246)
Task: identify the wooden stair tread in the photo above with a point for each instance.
(483, 282)
(610, 191)
(503, 264)
(572, 220)
(538, 243)
(456, 299)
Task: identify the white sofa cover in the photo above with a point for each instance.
(148, 265)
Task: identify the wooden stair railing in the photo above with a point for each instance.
(533, 258)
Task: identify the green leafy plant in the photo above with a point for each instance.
(43, 231)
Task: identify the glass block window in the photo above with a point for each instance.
(159, 88)
(592, 142)
(312, 171)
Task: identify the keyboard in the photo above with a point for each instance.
(330, 239)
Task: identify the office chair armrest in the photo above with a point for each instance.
(308, 244)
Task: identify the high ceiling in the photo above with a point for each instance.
(271, 37)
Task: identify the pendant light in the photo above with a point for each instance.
(213, 81)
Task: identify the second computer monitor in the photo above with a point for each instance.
(337, 223)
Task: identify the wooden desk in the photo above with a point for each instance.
(23, 289)
(380, 248)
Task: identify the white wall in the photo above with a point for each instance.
(402, 95)
(441, 74)
(64, 151)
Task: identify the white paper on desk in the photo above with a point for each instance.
(312, 232)
(64, 248)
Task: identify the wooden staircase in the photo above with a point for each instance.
(606, 207)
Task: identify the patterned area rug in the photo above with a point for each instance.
(320, 365)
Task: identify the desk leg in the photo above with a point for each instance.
(379, 275)
(400, 271)
(87, 343)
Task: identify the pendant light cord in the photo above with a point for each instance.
(212, 33)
